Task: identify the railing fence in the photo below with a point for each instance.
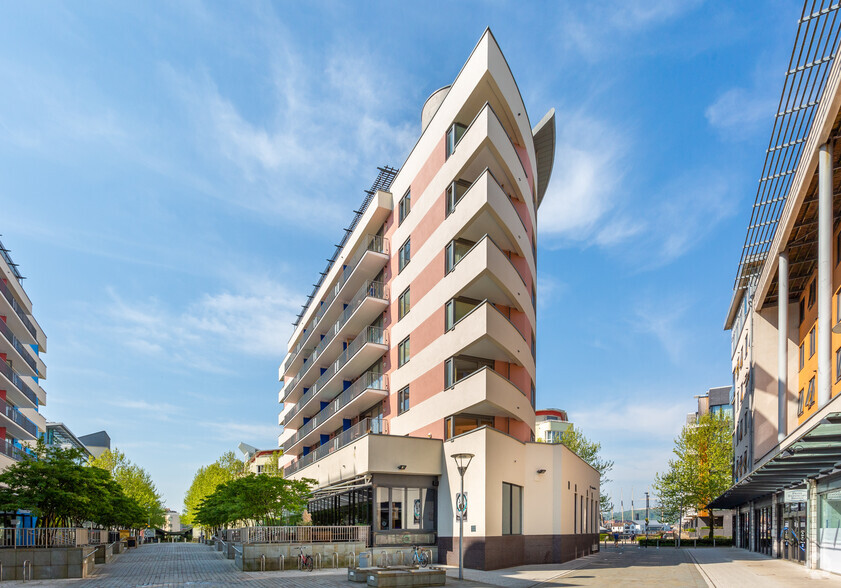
(299, 534)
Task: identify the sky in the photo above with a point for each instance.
(173, 177)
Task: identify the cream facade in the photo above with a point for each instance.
(784, 323)
(419, 341)
(22, 341)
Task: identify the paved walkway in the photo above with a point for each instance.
(191, 564)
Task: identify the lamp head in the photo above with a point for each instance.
(462, 461)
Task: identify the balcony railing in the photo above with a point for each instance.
(7, 371)
(368, 290)
(14, 415)
(360, 429)
(9, 449)
(25, 353)
(7, 294)
(374, 243)
(368, 381)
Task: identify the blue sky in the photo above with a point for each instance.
(173, 176)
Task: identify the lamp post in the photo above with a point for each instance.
(646, 520)
(462, 462)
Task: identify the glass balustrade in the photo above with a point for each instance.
(363, 427)
(25, 353)
(7, 371)
(14, 415)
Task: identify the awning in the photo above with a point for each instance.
(817, 452)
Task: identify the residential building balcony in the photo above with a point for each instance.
(17, 315)
(369, 302)
(364, 350)
(8, 449)
(16, 388)
(365, 264)
(368, 390)
(14, 422)
(15, 350)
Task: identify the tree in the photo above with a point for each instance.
(701, 469)
(206, 480)
(590, 451)
(135, 482)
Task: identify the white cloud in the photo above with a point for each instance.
(738, 113)
(664, 321)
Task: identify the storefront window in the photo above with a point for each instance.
(829, 535)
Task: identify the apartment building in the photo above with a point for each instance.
(714, 401)
(21, 368)
(550, 424)
(784, 321)
(418, 343)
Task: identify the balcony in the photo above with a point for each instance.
(17, 424)
(366, 263)
(368, 303)
(18, 314)
(15, 387)
(8, 449)
(14, 347)
(364, 350)
(361, 395)
(363, 427)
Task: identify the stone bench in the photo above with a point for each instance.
(398, 577)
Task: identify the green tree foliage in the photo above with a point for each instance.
(61, 491)
(253, 499)
(206, 480)
(701, 470)
(135, 482)
(590, 451)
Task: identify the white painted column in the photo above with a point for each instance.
(782, 346)
(775, 530)
(824, 274)
(812, 555)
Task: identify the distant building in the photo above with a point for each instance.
(715, 401)
(173, 521)
(97, 443)
(550, 424)
(256, 460)
(58, 434)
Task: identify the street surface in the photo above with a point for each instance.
(190, 564)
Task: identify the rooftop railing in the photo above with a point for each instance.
(7, 371)
(25, 353)
(7, 294)
(360, 429)
(15, 416)
(368, 381)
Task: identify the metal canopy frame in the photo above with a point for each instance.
(383, 182)
(5, 253)
(817, 452)
(814, 50)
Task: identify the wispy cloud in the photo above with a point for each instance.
(664, 320)
(738, 113)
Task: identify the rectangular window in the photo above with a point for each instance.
(800, 402)
(810, 394)
(802, 311)
(802, 355)
(812, 287)
(838, 306)
(403, 400)
(404, 207)
(403, 304)
(512, 509)
(838, 364)
(462, 423)
(812, 342)
(459, 367)
(837, 248)
(455, 191)
(454, 135)
(456, 249)
(403, 352)
(456, 309)
(405, 254)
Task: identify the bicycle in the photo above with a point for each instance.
(304, 561)
(419, 557)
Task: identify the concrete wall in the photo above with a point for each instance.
(251, 558)
(47, 564)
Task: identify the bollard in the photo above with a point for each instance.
(658, 544)
(282, 562)
(695, 542)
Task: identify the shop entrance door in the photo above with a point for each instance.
(793, 533)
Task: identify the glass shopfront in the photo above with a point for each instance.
(762, 530)
(793, 531)
(829, 533)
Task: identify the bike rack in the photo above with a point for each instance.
(27, 563)
(282, 562)
(351, 559)
(429, 554)
(383, 559)
(263, 563)
(318, 561)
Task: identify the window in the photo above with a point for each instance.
(812, 294)
(462, 423)
(838, 364)
(802, 311)
(405, 254)
(403, 400)
(403, 304)
(812, 342)
(404, 207)
(533, 346)
(837, 248)
(454, 193)
(403, 352)
(456, 309)
(800, 402)
(454, 135)
(802, 355)
(456, 249)
(459, 367)
(512, 509)
(810, 395)
(838, 306)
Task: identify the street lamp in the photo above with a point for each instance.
(462, 462)
(646, 520)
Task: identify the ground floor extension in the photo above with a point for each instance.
(524, 503)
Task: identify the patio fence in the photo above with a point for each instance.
(302, 534)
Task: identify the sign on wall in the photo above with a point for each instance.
(796, 495)
(461, 506)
